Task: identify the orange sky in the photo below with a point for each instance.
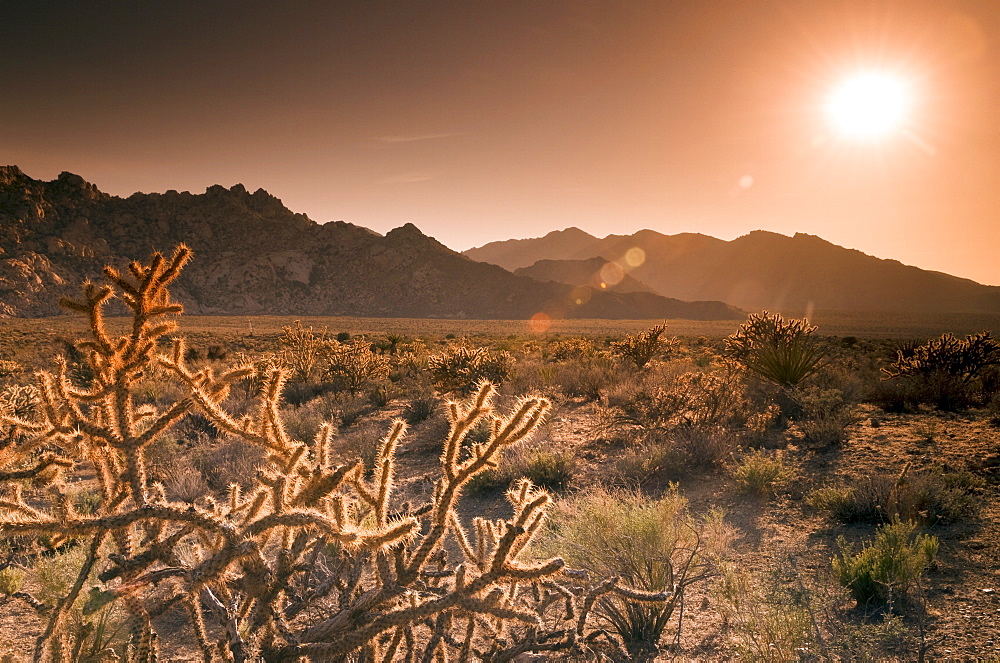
(485, 120)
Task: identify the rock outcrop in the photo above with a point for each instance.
(254, 256)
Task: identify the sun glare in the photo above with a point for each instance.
(868, 105)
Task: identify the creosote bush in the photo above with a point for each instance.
(759, 473)
(303, 537)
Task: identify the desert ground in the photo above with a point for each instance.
(779, 480)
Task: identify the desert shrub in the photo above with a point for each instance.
(769, 621)
(654, 544)
(354, 368)
(886, 568)
(230, 461)
(570, 349)
(553, 470)
(758, 473)
(420, 408)
(825, 415)
(359, 443)
(639, 349)
(589, 378)
(87, 501)
(78, 368)
(9, 369)
(931, 497)
(460, 369)
(694, 399)
(12, 580)
(550, 469)
(949, 371)
(184, 482)
(705, 447)
(993, 410)
(675, 457)
(649, 460)
(784, 352)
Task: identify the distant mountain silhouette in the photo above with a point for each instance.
(759, 270)
(596, 273)
(254, 256)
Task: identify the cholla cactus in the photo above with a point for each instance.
(948, 368)
(461, 369)
(307, 538)
(641, 348)
(354, 367)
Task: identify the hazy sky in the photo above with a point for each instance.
(482, 120)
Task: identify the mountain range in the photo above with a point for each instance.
(255, 256)
(760, 270)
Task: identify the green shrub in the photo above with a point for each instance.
(550, 469)
(781, 351)
(887, 568)
(654, 544)
(11, 580)
(930, 497)
(759, 473)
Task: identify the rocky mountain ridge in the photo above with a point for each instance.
(254, 256)
(758, 270)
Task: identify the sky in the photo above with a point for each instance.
(483, 120)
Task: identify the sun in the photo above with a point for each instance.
(869, 105)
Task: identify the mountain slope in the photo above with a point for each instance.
(254, 256)
(764, 270)
(596, 273)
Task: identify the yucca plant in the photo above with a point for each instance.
(784, 352)
(303, 537)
